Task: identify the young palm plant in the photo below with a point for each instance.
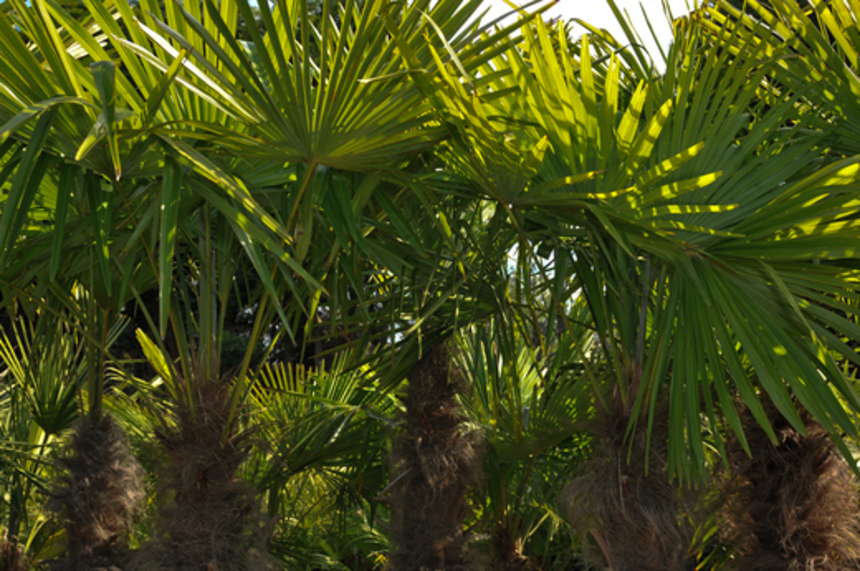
(320, 461)
(528, 397)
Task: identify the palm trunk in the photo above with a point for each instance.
(434, 463)
(508, 548)
(99, 497)
(793, 505)
(11, 555)
(624, 500)
(211, 520)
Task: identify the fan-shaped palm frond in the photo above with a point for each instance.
(682, 206)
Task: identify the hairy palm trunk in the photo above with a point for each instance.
(434, 463)
(210, 519)
(792, 506)
(624, 499)
(11, 555)
(99, 496)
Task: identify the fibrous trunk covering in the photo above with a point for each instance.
(11, 556)
(434, 463)
(99, 496)
(791, 506)
(629, 507)
(508, 548)
(210, 520)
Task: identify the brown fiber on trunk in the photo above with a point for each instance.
(209, 520)
(11, 555)
(629, 507)
(434, 463)
(98, 497)
(509, 556)
(792, 506)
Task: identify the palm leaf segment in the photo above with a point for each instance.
(815, 49)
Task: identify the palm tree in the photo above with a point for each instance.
(675, 207)
(100, 491)
(820, 41)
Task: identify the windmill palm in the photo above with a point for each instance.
(678, 212)
(661, 241)
(100, 488)
(323, 466)
(235, 125)
(68, 218)
(819, 40)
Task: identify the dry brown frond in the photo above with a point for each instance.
(791, 506)
(434, 463)
(99, 497)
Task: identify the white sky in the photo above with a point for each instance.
(598, 14)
